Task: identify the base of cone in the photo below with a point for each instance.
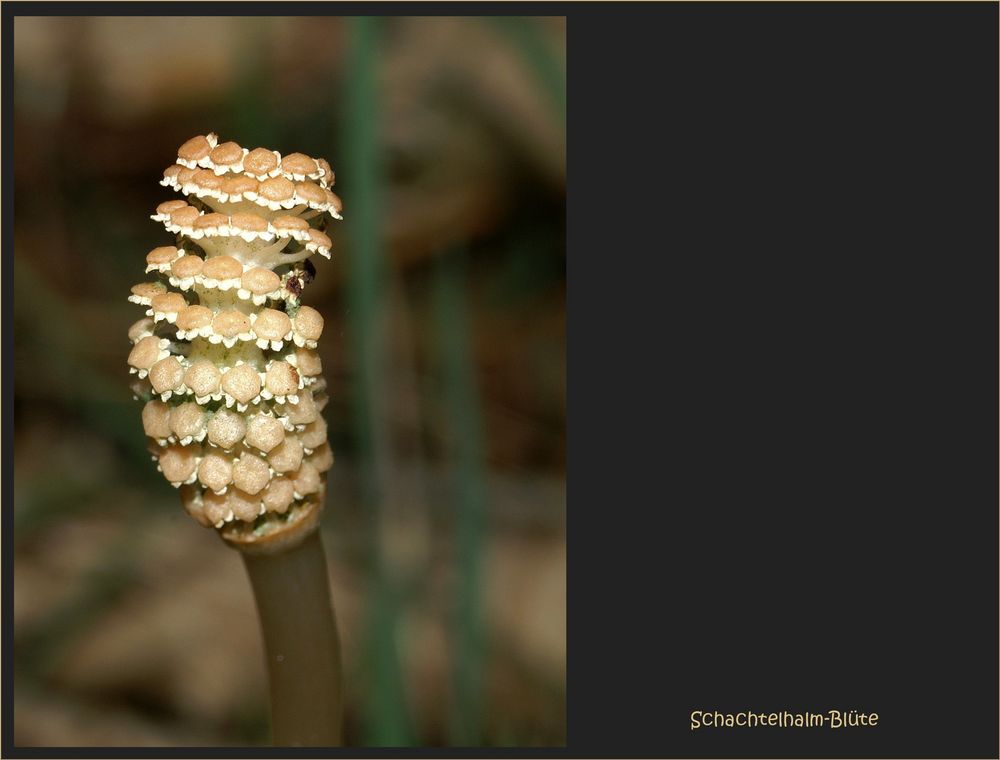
(276, 533)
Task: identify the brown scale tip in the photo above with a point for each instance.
(310, 192)
(222, 268)
(239, 184)
(156, 419)
(309, 323)
(169, 207)
(293, 223)
(260, 281)
(187, 266)
(215, 470)
(140, 328)
(166, 375)
(264, 432)
(246, 507)
(260, 161)
(172, 171)
(194, 317)
(306, 479)
(187, 419)
(286, 456)
(303, 412)
(335, 203)
(242, 383)
(320, 239)
(195, 149)
(299, 163)
(226, 153)
(309, 363)
(249, 222)
(226, 428)
(148, 289)
(216, 506)
(328, 176)
(231, 323)
(202, 377)
(184, 217)
(207, 221)
(206, 179)
(282, 379)
(314, 435)
(322, 458)
(164, 254)
(178, 463)
(276, 189)
(191, 498)
(272, 324)
(279, 495)
(145, 353)
(251, 473)
(169, 303)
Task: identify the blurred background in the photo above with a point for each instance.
(444, 350)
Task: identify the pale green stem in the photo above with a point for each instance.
(292, 591)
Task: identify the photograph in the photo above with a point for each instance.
(288, 430)
(289, 381)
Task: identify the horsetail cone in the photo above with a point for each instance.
(225, 357)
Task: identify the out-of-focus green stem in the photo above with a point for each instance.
(526, 36)
(470, 499)
(255, 125)
(364, 269)
(386, 715)
(292, 591)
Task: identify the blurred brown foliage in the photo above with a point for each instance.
(133, 626)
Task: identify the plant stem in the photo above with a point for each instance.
(292, 591)
(463, 408)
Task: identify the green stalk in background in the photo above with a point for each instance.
(535, 51)
(462, 402)
(386, 717)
